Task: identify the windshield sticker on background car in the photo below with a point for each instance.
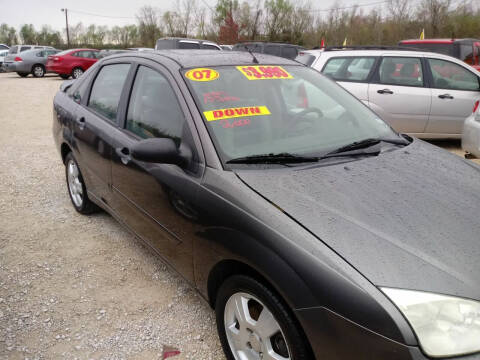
(264, 72)
(229, 113)
(218, 96)
(202, 74)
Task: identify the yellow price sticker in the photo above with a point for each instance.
(264, 72)
(235, 112)
(202, 74)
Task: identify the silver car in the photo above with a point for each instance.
(423, 94)
(28, 61)
(471, 133)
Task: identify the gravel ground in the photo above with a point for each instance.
(76, 287)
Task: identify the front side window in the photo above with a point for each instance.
(349, 68)
(448, 75)
(107, 88)
(153, 109)
(266, 109)
(402, 71)
(188, 45)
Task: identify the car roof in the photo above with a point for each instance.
(187, 39)
(201, 58)
(437, 41)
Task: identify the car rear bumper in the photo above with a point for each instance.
(61, 70)
(471, 136)
(11, 67)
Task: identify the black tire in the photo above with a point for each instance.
(22, 74)
(76, 71)
(38, 70)
(64, 76)
(298, 349)
(86, 206)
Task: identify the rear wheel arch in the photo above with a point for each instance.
(38, 64)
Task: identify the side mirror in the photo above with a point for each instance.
(160, 150)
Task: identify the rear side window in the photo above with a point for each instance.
(402, 71)
(25, 48)
(289, 52)
(107, 88)
(448, 75)
(273, 50)
(188, 45)
(305, 58)
(13, 50)
(153, 110)
(349, 68)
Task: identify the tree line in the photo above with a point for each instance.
(231, 21)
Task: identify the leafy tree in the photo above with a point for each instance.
(8, 35)
(28, 34)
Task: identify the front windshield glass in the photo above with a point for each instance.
(252, 110)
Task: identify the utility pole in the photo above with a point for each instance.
(66, 22)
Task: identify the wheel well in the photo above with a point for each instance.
(64, 150)
(228, 268)
(43, 66)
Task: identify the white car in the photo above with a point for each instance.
(427, 95)
(471, 133)
(3, 54)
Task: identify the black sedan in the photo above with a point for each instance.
(311, 227)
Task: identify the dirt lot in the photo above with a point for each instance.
(75, 287)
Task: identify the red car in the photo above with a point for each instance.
(467, 50)
(73, 62)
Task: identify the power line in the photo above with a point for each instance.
(351, 6)
(99, 15)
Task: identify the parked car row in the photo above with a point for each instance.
(314, 229)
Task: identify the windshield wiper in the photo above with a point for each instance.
(280, 158)
(362, 144)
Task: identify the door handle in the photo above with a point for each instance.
(385, 91)
(124, 155)
(445, 96)
(81, 123)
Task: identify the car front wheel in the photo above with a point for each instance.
(253, 323)
(76, 187)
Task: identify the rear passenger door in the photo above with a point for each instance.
(352, 73)
(398, 92)
(95, 120)
(454, 92)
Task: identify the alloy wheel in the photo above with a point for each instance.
(38, 71)
(75, 186)
(77, 73)
(252, 331)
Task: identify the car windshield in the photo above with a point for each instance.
(251, 110)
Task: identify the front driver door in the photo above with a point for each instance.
(454, 92)
(156, 200)
(398, 93)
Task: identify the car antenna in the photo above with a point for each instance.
(255, 60)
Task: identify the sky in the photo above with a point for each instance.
(120, 12)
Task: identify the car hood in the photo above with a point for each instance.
(408, 218)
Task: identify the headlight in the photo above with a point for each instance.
(444, 325)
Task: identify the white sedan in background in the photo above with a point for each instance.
(3, 53)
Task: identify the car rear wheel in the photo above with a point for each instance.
(76, 187)
(64, 76)
(22, 74)
(253, 323)
(38, 71)
(77, 72)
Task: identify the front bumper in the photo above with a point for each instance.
(335, 337)
(471, 136)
